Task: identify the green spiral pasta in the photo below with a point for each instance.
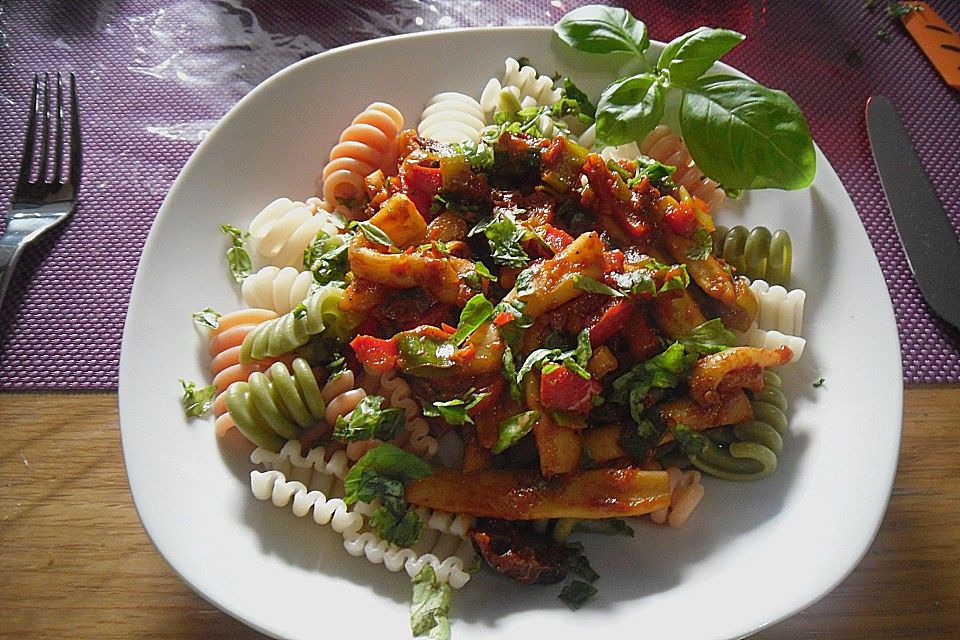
(752, 453)
(318, 314)
(757, 253)
(271, 410)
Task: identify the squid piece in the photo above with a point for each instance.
(515, 494)
(732, 407)
(441, 276)
(714, 374)
(553, 279)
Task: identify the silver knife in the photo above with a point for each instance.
(928, 238)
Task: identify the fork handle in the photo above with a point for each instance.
(10, 249)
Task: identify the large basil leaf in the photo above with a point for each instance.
(629, 109)
(599, 29)
(746, 136)
(692, 54)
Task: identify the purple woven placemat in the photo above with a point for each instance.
(154, 80)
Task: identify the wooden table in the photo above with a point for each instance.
(76, 563)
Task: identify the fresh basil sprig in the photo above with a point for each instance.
(740, 133)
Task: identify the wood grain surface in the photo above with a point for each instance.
(76, 563)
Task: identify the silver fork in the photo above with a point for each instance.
(42, 203)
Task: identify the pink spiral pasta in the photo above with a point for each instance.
(225, 343)
(396, 393)
(368, 144)
(685, 494)
(663, 145)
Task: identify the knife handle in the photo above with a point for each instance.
(938, 41)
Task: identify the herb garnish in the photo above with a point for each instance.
(207, 318)
(196, 401)
(237, 255)
(382, 473)
(430, 608)
(368, 421)
(739, 133)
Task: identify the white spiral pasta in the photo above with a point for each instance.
(452, 117)
(663, 145)
(396, 393)
(277, 289)
(528, 88)
(686, 491)
(313, 483)
(779, 319)
(284, 229)
(368, 144)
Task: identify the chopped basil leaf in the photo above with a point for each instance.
(382, 473)
(430, 609)
(573, 101)
(384, 460)
(368, 421)
(196, 401)
(659, 174)
(512, 429)
(661, 371)
(590, 285)
(477, 311)
(576, 594)
(237, 255)
(453, 411)
(819, 383)
(584, 351)
(525, 282)
(510, 372)
(505, 235)
(709, 337)
(402, 528)
(419, 352)
(484, 272)
(331, 266)
(578, 563)
(536, 358)
(702, 247)
(299, 311)
(637, 440)
(478, 154)
(691, 442)
(207, 318)
(375, 234)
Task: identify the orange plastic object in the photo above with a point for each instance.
(937, 40)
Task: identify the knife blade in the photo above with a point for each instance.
(928, 238)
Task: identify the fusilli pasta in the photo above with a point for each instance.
(663, 145)
(277, 289)
(452, 117)
(284, 229)
(368, 144)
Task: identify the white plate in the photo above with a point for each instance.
(752, 554)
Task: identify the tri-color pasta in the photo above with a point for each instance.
(756, 253)
(557, 314)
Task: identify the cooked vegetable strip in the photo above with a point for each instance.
(736, 367)
(526, 495)
(552, 282)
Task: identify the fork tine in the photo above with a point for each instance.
(45, 135)
(58, 146)
(76, 161)
(27, 163)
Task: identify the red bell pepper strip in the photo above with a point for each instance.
(613, 320)
(562, 389)
(421, 185)
(380, 355)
